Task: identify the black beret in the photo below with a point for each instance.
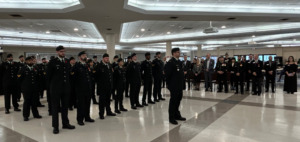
(175, 50)
(28, 58)
(129, 57)
(9, 55)
(89, 60)
(133, 54)
(72, 58)
(157, 53)
(105, 55)
(94, 56)
(59, 48)
(116, 56)
(43, 58)
(120, 59)
(21, 56)
(147, 54)
(81, 53)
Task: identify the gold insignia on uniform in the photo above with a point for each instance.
(72, 73)
(44, 73)
(19, 75)
(94, 71)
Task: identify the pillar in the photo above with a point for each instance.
(111, 43)
(199, 51)
(169, 49)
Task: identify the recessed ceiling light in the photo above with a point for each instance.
(143, 30)
(253, 35)
(137, 36)
(223, 27)
(295, 39)
(47, 32)
(168, 33)
(75, 29)
(84, 35)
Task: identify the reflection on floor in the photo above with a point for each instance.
(211, 117)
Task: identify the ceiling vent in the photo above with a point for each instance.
(187, 28)
(16, 15)
(55, 31)
(210, 29)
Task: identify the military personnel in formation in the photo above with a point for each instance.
(221, 70)
(21, 64)
(256, 70)
(120, 83)
(127, 77)
(95, 61)
(158, 68)
(249, 74)
(36, 66)
(239, 75)
(270, 68)
(73, 97)
(114, 64)
(28, 77)
(134, 73)
(175, 83)
(104, 79)
(231, 69)
(83, 88)
(146, 69)
(43, 75)
(92, 70)
(59, 81)
(9, 71)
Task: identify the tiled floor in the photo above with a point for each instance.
(213, 117)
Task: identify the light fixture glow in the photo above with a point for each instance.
(223, 27)
(38, 4)
(253, 36)
(47, 32)
(142, 30)
(168, 33)
(75, 29)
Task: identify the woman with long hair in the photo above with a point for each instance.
(290, 80)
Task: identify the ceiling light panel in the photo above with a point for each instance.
(37, 4)
(214, 6)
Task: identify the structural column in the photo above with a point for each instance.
(169, 49)
(199, 51)
(111, 43)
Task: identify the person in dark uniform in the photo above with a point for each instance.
(29, 79)
(146, 69)
(221, 70)
(231, 68)
(21, 64)
(290, 79)
(227, 59)
(270, 68)
(92, 70)
(164, 77)
(256, 70)
(239, 72)
(175, 83)
(249, 74)
(10, 83)
(42, 71)
(114, 64)
(95, 61)
(127, 77)
(83, 88)
(104, 79)
(120, 83)
(36, 66)
(134, 74)
(73, 97)
(59, 80)
(158, 68)
(187, 71)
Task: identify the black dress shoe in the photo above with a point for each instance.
(123, 109)
(38, 117)
(242, 93)
(7, 111)
(71, 109)
(206, 89)
(181, 119)
(273, 91)
(101, 117)
(145, 104)
(133, 107)
(258, 94)
(89, 120)
(117, 111)
(173, 122)
(139, 105)
(151, 102)
(254, 93)
(267, 90)
(156, 100)
(55, 131)
(68, 127)
(236, 93)
(226, 91)
(127, 96)
(17, 109)
(80, 123)
(26, 119)
(162, 99)
(111, 114)
(219, 91)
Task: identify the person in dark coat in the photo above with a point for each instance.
(92, 70)
(221, 70)
(135, 79)
(9, 71)
(95, 61)
(59, 80)
(270, 68)
(146, 70)
(175, 83)
(83, 87)
(21, 64)
(73, 97)
(114, 64)
(239, 73)
(104, 79)
(208, 68)
(249, 74)
(231, 69)
(120, 83)
(290, 79)
(256, 70)
(158, 68)
(43, 82)
(187, 71)
(29, 79)
(127, 77)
